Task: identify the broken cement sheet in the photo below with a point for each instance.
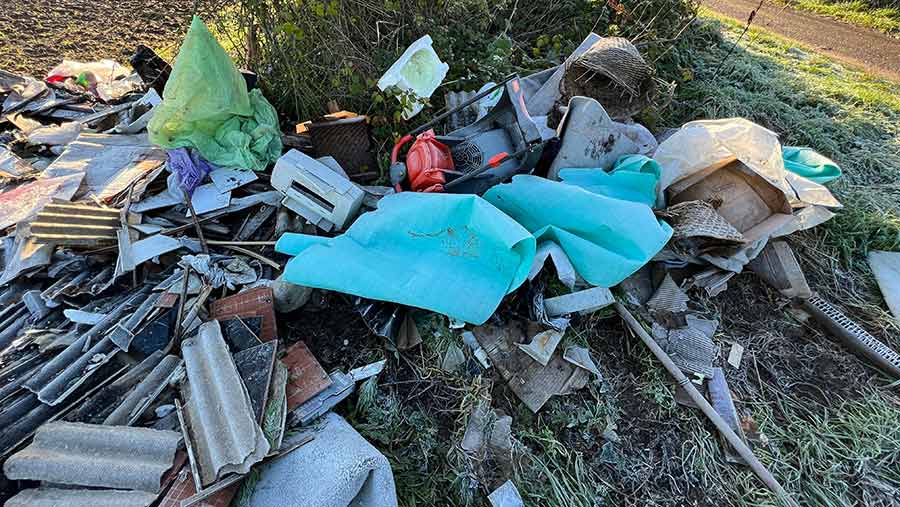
(49, 497)
(224, 436)
(208, 198)
(690, 347)
(18, 204)
(582, 302)
(606, 239)
(778, 267)
(137, 118)
(96, 456)
(581, 357)
(634, 178)
(21, 253)
(452, 254)
(542, 346)
(532, 383)
(339, 466)
(811, 165)
(11, 166)
(226, 179)
(720, 398)
(154, 246)
(668, 297)
(506, 495)
(206, 106)
(565, 272)
(55, 135)
(701, 147)
(107, 164)
(590, 138)
(886, 268)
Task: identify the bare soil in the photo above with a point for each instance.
(35, 35)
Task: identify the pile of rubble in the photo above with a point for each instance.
(160, 224)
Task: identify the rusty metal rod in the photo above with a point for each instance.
(745, 452)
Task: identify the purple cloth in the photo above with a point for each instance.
(190, 168)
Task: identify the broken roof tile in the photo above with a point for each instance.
(257, 302)
(306, 378)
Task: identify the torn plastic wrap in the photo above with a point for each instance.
(452, 254)
(605, 239)
(206, 106)
(633, 178)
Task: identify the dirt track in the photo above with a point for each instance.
(872, 50)
(35, 35)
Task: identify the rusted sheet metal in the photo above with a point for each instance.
(257, 302)
(118, 457)
(306, 378)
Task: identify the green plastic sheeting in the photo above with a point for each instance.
(811, 165)
(206, 106)
(452, 254)
(633, 178)
(606, 239)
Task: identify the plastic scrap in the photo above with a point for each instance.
(606, 239)
(506, 495)
(886, 267)
(811, 165)
(413, 244)
(590, 138)
(206, 106)
(190, 168)
(633, 178)
(418, 70)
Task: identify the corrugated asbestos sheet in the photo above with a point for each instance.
(137, 401)
(91, 455)
(76, 225)
(49, 497)
(222, 429)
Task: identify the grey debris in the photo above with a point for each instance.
(506, 495)
(341, 387)
(453, 358)
(140, 398)
(581, 357)
(53, 497)
(886, 267)
(583, 302)
(219, 416)
(542, 346)
(669, 297)
(480, 354)
(92, 455)
(367, 371)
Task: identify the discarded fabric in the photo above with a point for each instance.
(453, 254)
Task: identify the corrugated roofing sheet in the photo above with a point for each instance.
(137, 401)
(76, 225)
(50, 497)
(219, 416)
(117, 457)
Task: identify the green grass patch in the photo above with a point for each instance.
(884, 19)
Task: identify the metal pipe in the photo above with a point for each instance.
(745, 452)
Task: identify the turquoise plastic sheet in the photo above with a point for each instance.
(633, 178)
(811, 165)
(452, 254)
(606, 239)
(206, 106)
